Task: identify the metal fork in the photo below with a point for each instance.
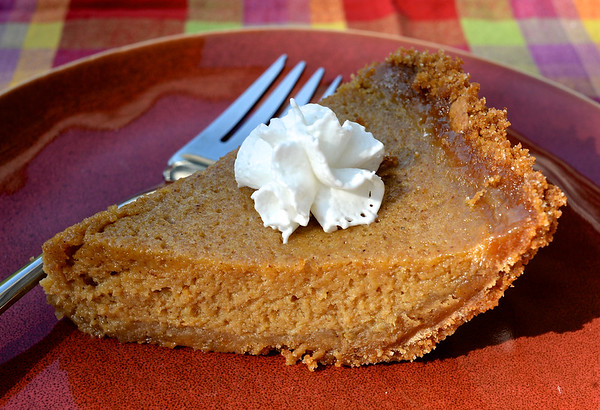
(216, 140)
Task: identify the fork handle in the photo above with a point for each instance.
(20, 282)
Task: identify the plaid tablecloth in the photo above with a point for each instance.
(556, 39)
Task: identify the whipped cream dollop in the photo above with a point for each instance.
(306, 162)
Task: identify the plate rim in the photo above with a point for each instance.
(240, 31)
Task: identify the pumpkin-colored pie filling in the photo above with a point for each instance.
(193, 265)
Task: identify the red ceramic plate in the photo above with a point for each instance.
(93, 133)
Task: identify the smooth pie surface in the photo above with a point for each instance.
(192, 264)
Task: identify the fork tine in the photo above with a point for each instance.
(266, 111)
(332, 87)
(229, 118)
(307, 91)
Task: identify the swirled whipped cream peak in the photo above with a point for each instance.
(306, 162)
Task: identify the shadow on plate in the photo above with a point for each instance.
(558, 292)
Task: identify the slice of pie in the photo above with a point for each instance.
(193, 265)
